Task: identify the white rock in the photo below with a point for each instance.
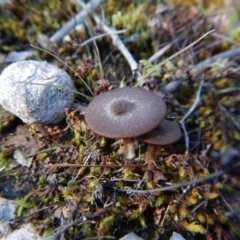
(7, 213)
(18, 56)
(26, 232)
(176, 236)
(36, 92)
(19, 157)
(131, 236)
(7, 209)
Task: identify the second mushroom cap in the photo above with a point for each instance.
(166, 133)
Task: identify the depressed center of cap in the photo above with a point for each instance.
(121, 107)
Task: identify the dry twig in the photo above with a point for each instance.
(196, 101)
(79, 18)
(115, 39)
(99, 166)
(173, 187)
(202, 66)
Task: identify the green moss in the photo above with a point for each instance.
(106, 224)
(48, 233)
(41, 181)
(23, 207)
(160, 200)
(6, 154)
(42, 156)
(47, 221)
(72, 183)
(88, 231)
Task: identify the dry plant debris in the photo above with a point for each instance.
(78, 185)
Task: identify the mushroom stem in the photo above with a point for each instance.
(150, 153)
(150, 157)
(129, 148)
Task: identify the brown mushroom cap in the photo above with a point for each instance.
(125, 112)
(167, 132)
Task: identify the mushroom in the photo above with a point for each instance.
(166, 133)
(125, 113)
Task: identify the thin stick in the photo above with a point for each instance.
(79, 18)
(58, 231)
(99, 36)
(95, 38)
(196, 101)
(159, 53)
(225, 38)
(48, 150)
(83, 220)
(200, 67)
(100, 166)
(116, 41)
(65, 64)
(156, 68)
(173, 187)
(228, 90)
(225, 112)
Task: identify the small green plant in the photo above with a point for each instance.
(23, 206)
